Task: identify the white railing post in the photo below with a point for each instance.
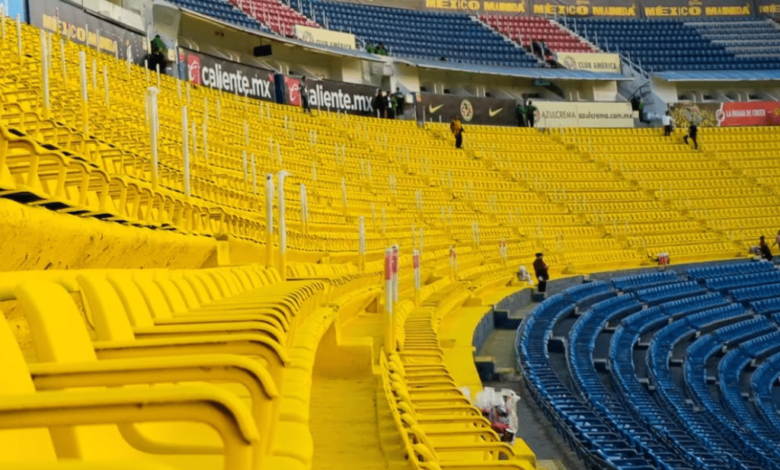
(416, 263)
(45, 68)
(84, 95)
(152, 103)
(185, 131)
(395, 274)
(282, 227)
(389, 327)
(362, 245)
(269, 220)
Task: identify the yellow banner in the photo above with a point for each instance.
(695, 8)
(583, 114)
(487, 6)
(325, 37)
(583, 8)
(595, 62)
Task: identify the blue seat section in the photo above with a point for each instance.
(421, 34)
(766, 306)
(595, 441)
(670, 44)
(671, 418)
(750, 38)
(641, 281)
(222, 10)
(730, 369)
(582, 344)
(762, 382)
(696, 371)
(746, 294)
(743, 280)
(589, 292)
(729, 269)
(660, 375)
(668, 292)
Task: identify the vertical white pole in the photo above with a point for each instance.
(416, 263)
(384, 221)
(269, 220)
(254, 175)
(373, 213)
(282, 227)
(362, 243)
(84, 97)
(344, 193)
(129, 57)
(3, 13)
(19, 35)
(185, 128)
(206, 129)
(105, 86)
(94, 75)
(64, 64)
(45, 57)
(246, 169)
(395, 273)
(304, 209)
(389, 328)
(194, 140)
(421, 242)
(157, 69)
(314, 171)
(152, 97)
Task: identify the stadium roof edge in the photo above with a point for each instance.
(542, 73)
(719, 76)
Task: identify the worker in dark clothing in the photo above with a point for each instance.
(370, 47)
(540, 268)
(381, 49)
(764, 248)
(380, 105)
(530, 114)
(456, 126)
(159, 55)
(305, 96)
(692, 132)
(399, 102)
(520, 115)
(391, 105)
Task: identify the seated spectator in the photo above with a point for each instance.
(545, 49)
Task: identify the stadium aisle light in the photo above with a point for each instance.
(269, 220)
(45, 70)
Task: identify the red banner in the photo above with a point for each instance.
(753, 113)
(756, 113)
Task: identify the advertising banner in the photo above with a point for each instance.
(228, 76)
(583, 114)
(753, 113)
(576, 8)
(77, 24)
(341, 97)
(293, 91)
(696, 8)
(595, 62)
(481, 111)
(325, 37)
(768, 7)
(477, 6)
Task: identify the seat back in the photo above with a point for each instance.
(108, 313)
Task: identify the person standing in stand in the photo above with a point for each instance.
(777, 239)
(764, 248)
(399, 102)
(666, 120)
(520, 114)
(693, 131)
(305, 96)
(457, 130)
(380, 105)
(540, 269)
(530, 114)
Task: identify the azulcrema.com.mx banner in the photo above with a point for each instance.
(482, 111)
(753, 113)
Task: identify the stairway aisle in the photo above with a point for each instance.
(344, 425)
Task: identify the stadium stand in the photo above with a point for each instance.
(222, 10)
(277, 16)
(639, 373)
(237, 344)
(524, 29)
(421, 34)
(669, 44)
